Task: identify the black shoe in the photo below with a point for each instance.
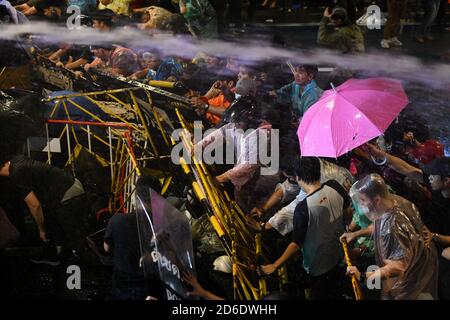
(49, 256)
(42, 259)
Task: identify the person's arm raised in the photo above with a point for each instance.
(396, 163)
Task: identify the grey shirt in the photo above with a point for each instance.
(318, 224)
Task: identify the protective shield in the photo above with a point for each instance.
(166, 242)
(360, 209)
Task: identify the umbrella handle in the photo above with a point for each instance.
(381, 163)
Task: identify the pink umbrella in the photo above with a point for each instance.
(350, 115)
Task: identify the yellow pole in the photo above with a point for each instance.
(162, 84)
(261, 281)
(143, 122)
(355, 282)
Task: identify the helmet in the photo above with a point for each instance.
(243, 109)
(223, 264)
(246, 86)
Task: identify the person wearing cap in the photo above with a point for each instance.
(303, 92)
(439, 175)
(342, 34)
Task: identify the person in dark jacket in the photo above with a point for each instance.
(56, 201)
(341, 34)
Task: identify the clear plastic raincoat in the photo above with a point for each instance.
(398, 237)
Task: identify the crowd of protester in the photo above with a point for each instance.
(389, 199)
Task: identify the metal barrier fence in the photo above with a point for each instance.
(126, 146)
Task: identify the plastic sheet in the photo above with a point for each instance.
(361, 220)
(223, 264)
(330, 171)
(166, 242)
(360, 209)
(398, 238)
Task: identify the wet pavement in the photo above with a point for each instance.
(299, 29)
